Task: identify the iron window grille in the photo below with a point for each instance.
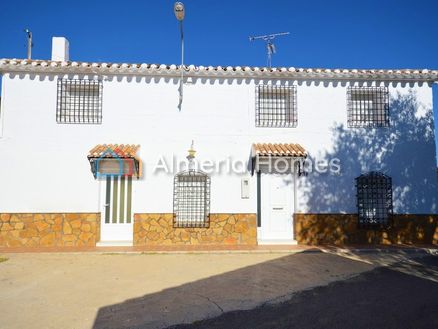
(79, 101)
(191, 199)
(374, 199)
(368, 107)
(276, 106)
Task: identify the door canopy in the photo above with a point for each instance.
(114, 160)
(272, 151)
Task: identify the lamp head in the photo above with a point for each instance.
(178, 9)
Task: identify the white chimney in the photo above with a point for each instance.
(60, 49)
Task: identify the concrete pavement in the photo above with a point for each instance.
(92, 290)
(400, 296)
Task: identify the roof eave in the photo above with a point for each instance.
(53, 67)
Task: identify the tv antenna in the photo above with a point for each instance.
(270, 47)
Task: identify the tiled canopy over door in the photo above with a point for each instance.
(115, 166)
(276, 167)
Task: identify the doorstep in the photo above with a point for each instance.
(118, 243)
(283, 242)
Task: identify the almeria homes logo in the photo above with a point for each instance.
(114, 163)
(228, 165)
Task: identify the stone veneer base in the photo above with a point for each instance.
(342, 229)
(225, 229)
(83, 230)
(49, 229)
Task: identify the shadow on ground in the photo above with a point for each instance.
(381, 298)
(254, 288)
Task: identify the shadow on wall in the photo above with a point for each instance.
(343, 229)
(404, 151)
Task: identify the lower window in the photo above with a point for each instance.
(191, 199)
(374, 199)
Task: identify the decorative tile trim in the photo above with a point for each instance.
(47, 66)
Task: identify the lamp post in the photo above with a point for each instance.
(178, 9)
(29, 43)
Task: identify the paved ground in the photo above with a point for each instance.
(385, 297)
(91, 290)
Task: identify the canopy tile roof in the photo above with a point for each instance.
(278, 149)
(108, 150)
(47, 66)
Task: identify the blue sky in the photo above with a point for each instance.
(380, 34)
(350, 34)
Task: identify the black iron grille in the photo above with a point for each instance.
(276, 106)
(368, 106)
(79, 101)
(191, 199)
(374, 199)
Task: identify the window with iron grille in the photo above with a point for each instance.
(276, 106)
(79, 101)
(374, 199)
(368, 106)
(191, 199)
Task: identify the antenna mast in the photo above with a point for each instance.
(270, 47)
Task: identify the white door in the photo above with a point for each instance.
(116, 219)
(276, 209)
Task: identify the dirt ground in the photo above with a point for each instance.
(94, 290)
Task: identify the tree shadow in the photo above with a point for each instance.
(363, 301)
(267, 283)
(405, 151)
(242, 289)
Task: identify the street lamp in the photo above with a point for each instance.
(178, 9)
(29, 43)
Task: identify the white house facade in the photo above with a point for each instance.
(96, 154)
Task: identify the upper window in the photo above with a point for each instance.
(276, 106)
(79, 101)
(374, 199)
(368, 106)
(191, 199)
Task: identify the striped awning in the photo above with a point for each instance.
(278, 149)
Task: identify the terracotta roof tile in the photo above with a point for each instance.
(108, 150)
(278, 149)
(25, 65)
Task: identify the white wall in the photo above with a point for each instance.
(45, 169)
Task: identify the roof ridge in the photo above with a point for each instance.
(38, 65)
(221, 66)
